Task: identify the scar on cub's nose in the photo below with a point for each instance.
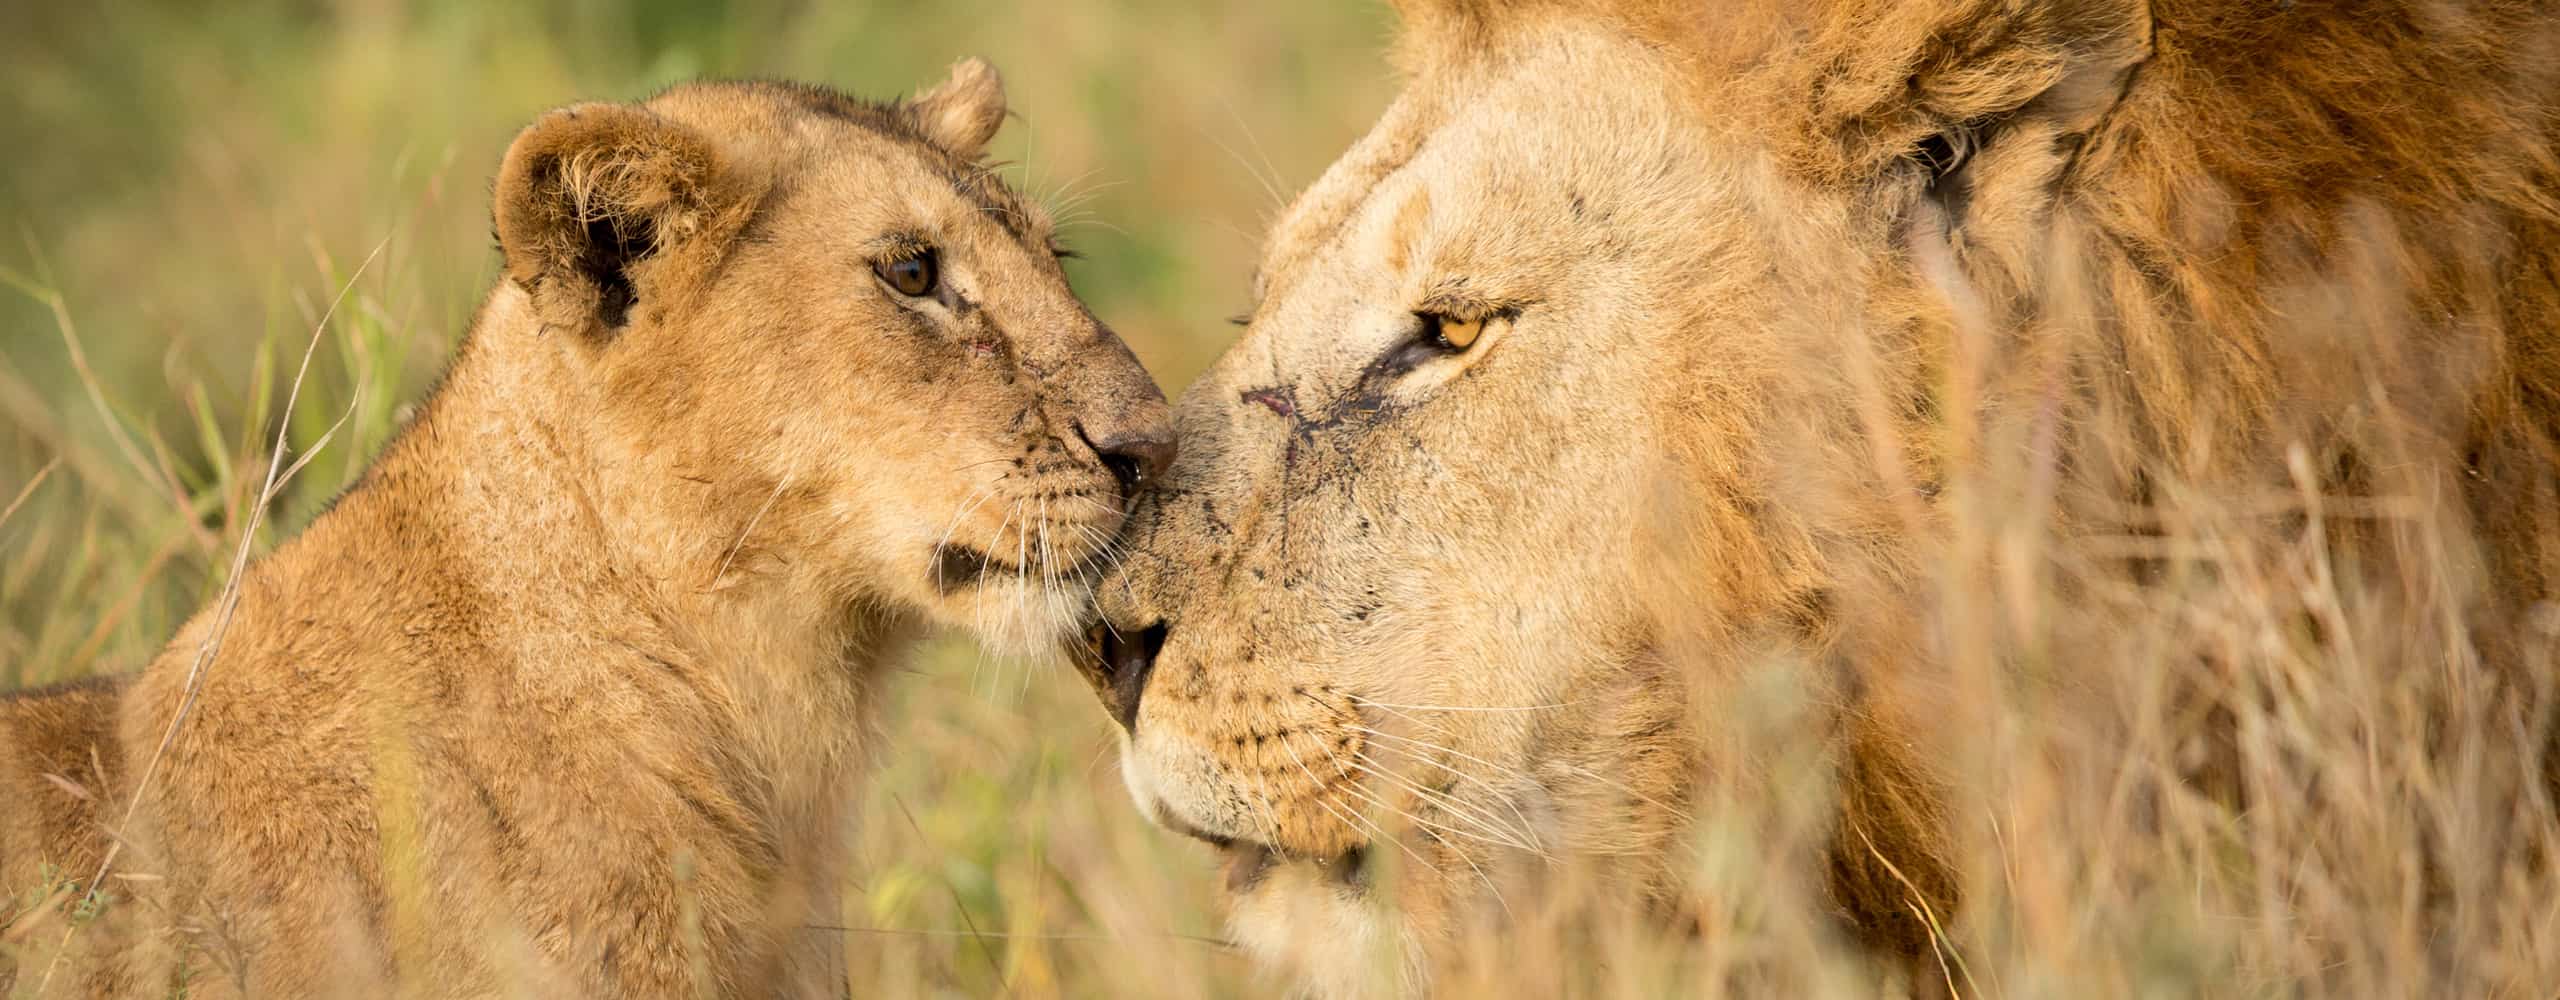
(1275, 399)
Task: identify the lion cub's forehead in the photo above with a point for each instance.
(794, 130)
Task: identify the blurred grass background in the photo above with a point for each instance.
(190, 185)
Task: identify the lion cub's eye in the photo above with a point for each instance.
(913, 276)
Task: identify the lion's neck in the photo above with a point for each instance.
(502, 482)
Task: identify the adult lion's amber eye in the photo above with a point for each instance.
(912, 276)
(1457, 334)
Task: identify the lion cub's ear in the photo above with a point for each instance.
(593, 203)
(962, 113)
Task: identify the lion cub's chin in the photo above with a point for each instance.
(1019, 617)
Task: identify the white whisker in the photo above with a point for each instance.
(1471, 708)
(741, 542)
(1581, 771)
(1373, 832)
(1508, 800)
(1522, 839)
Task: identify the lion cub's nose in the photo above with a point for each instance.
(1136, 456)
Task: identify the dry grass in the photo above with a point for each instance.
(2266, 775)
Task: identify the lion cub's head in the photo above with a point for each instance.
(823, 328)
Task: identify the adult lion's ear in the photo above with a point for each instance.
(1425, 16)
(1944, 87)
(1430, 30)
(962, 113)
(593, 199)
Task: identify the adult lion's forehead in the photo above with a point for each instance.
(1312, 219)
(1485, 143)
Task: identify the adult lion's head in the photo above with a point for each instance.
(1641, 342)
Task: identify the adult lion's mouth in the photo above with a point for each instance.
(1246, 864)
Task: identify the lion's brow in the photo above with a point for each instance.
(971, 182)
(992, 198)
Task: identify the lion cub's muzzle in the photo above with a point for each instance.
(1136, 454)
(1116, 411)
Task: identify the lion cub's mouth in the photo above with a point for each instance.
(959, 567)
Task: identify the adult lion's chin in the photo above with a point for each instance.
(1355, 887)
(1328, 922)
(1182, 782)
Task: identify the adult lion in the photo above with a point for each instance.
(568, 695)
(1644, 352)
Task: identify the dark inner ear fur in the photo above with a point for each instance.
(1946, 155)
(1947, 93)
(612, 246)
(1969, 118)
(591, 203)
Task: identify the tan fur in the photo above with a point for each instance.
(61, 745)
(568, 696)
(1770, 283)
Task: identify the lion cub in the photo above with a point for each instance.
(567, 696)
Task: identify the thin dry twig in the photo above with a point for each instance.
(29, 489)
